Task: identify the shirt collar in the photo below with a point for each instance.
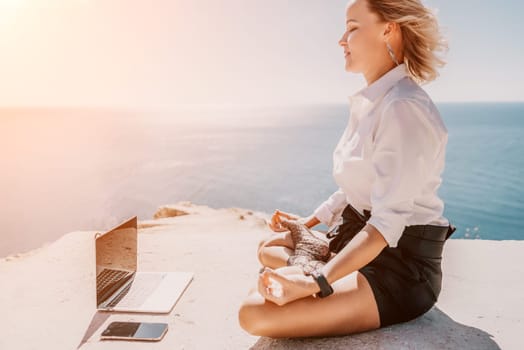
(380, 86)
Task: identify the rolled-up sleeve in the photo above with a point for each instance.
(331, 209)
(404, 147)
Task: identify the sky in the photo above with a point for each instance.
(165, 53)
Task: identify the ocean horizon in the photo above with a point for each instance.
(70, 169)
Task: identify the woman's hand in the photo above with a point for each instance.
(275, 223)
(285, 284)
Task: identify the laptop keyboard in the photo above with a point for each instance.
(142, 286)
(108, 281)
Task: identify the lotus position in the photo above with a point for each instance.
(387, 166)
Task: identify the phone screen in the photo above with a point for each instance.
(134, 331)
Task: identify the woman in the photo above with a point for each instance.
(386, 269)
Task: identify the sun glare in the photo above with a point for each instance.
(9, 9)
(10, 3)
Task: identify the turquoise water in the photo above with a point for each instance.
(66, 170)
(484, 178)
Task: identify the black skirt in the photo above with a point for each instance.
(406, 280)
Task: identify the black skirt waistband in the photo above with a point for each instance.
(416, 240)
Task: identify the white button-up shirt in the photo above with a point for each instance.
(390, 158)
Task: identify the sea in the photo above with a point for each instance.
(74, 169)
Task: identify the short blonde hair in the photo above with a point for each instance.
(421, 36)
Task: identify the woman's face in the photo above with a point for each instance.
(363, 41)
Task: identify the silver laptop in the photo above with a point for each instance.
(120, 287)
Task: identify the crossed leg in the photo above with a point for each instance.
(350, 309)
(274, 251)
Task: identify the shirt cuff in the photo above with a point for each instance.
(325, 216)
(390, 224)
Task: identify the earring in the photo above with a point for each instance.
(391, 53)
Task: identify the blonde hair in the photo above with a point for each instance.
(422, 40)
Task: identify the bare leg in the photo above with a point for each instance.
(350, 309)
(274, 251)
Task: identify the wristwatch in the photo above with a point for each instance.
(325, 287)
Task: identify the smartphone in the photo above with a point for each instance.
(134, 331)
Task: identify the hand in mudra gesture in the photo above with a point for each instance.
(276, 222)
(285, 284)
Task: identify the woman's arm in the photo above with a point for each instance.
(330, 210)
(363, 248)
(311, 221)
(360, 250)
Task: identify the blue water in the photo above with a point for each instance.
(483, 183)
(66, 170)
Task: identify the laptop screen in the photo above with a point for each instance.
(116, 254)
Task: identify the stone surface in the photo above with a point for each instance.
(48, 298)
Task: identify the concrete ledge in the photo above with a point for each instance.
(48, 300)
